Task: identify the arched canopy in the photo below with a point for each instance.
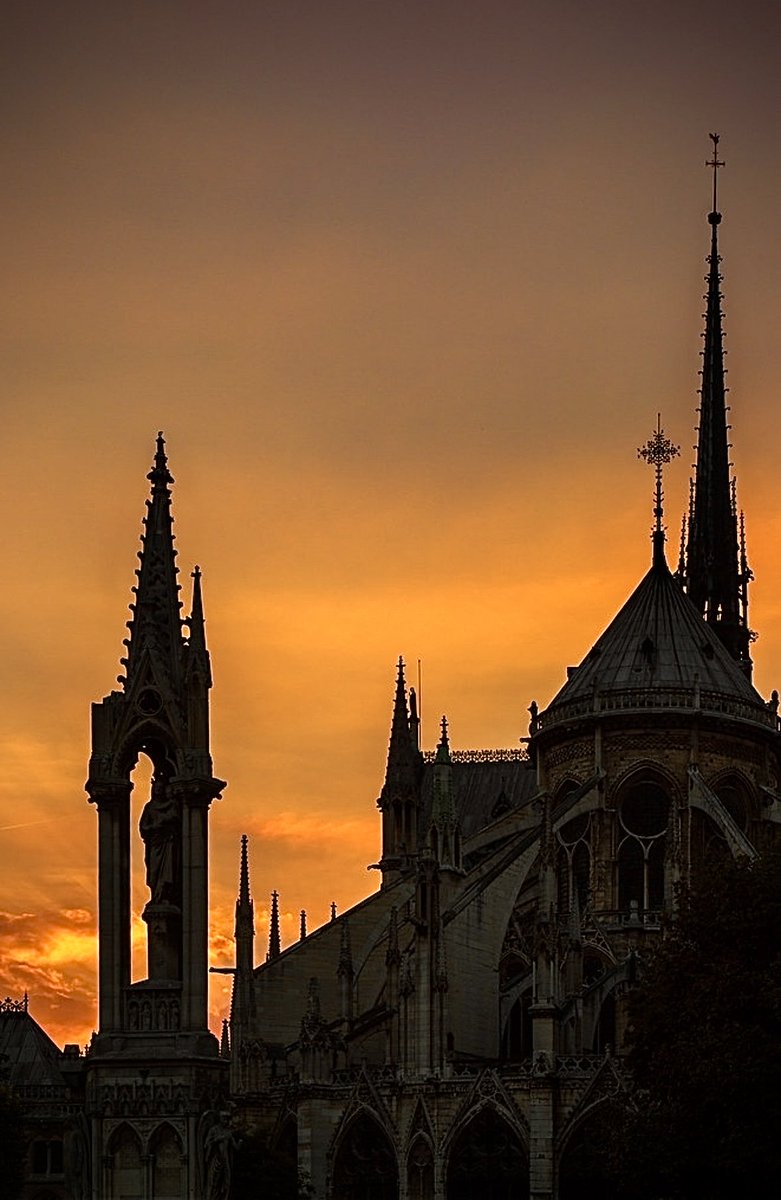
(583, 1173)
(487, 1159)
(125, 1165)
(365, 1165)
(167, 1164)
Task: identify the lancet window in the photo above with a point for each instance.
(574, 863)
(643, 818)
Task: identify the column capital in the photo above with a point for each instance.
(108, 793)
(196, 791)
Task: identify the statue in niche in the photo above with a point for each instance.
(219, 1146)
(76, 1153)
(159, 826)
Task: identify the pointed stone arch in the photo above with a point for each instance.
(580, 1144)
(421, 1122)
(364, 1162)
(607, 1086)
(124, 1164)
(168, 1163)
(420, 1168)
(646, 799)
(486, 1154)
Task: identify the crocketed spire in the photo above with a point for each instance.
(716, 576)
(156, 625)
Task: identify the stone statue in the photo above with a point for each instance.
(159, 827)
(218, 1151)
(77, 1156)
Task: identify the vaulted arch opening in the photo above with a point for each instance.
(583, 1168)
(487, 1160)
(124, 1165)
(365, 1166)
(155, 861)
(168, 1165)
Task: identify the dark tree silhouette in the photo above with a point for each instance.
(705, 1044)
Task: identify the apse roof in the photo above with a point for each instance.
(27, 1053)
(657, 643)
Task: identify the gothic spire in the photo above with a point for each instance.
(715, 580)
(242, 1005)
(274, 941)
(444, 835)
(197, 654)
(401, 774)
(244, 907)
(156, 625)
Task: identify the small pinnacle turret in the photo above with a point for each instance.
(245, 912)
(444, 835)
(399, 800)
(716, 576)
(242, 1000)
(274, 940)
(197, 656)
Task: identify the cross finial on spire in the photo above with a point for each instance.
(658, 451)
(714, 162)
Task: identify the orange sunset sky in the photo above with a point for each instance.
(405, 285)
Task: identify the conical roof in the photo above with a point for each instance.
(657, 652)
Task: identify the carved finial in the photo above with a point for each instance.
(302, 927)
(160, 473)
(714, 216)
(333, 910)
(658, 451)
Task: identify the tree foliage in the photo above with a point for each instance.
(705, 1044)
(260, 1169)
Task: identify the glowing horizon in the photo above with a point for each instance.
(405, 291)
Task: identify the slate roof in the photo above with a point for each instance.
(658, 642)
(483, 790)
(27, 1053)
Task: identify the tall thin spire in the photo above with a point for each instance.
(274, 941)
(244, 932)
(715, 580)
(156, 625)
(197, 655)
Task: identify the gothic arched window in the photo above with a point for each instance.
(167, 1165)
(643, 817)
(125, 1164)
(487, 1160)
(365, 1163)
(574, 862)
(420, 1170)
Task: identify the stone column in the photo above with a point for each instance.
(541, 1130)
(195, 904)
(113, 804)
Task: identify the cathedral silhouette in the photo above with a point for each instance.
(459, 1032)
